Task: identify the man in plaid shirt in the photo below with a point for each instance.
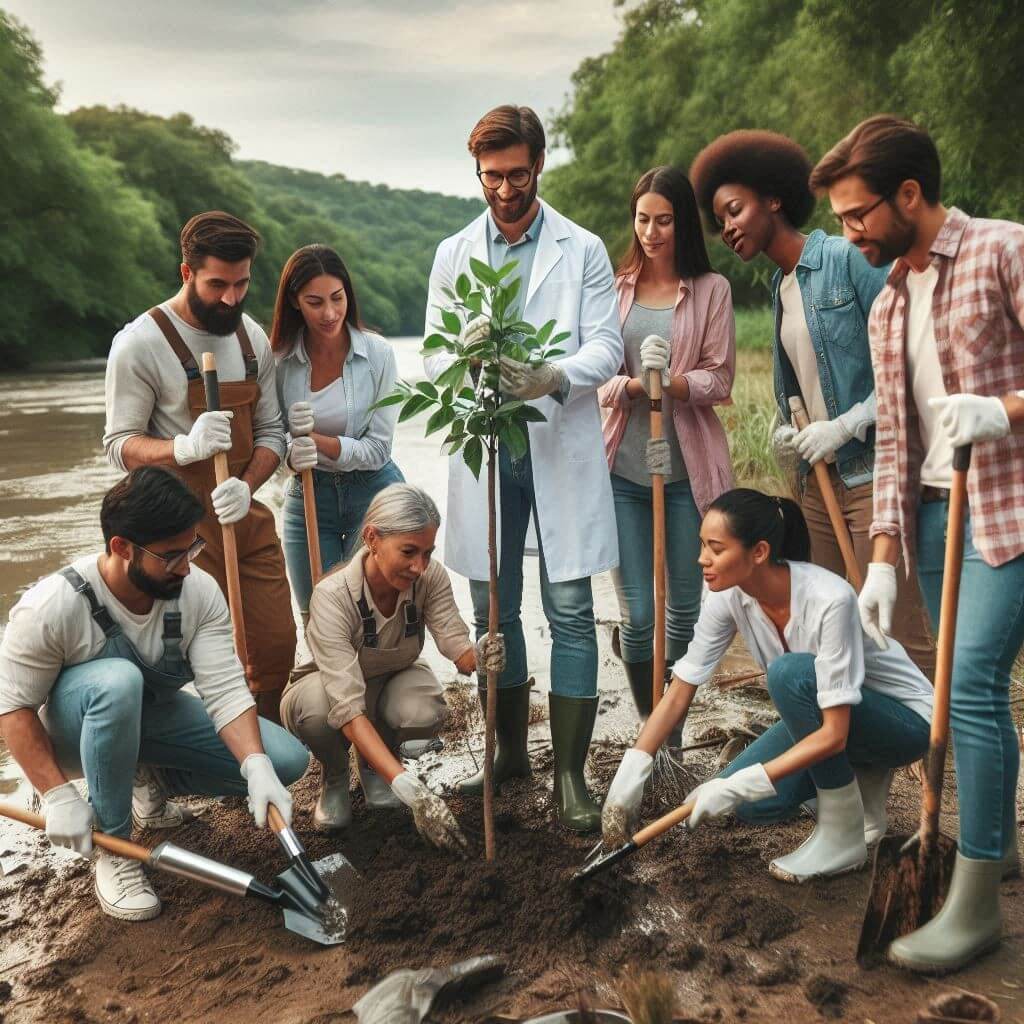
(947, 345)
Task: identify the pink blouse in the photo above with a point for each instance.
(704, 354)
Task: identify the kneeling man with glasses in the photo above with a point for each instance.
(92, 666)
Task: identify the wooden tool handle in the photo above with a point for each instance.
(277, 823)
(828, 494)
(121, 847)
(935, 763)
(658, 553)
(663, 824)
(312, 530)
(222, 472)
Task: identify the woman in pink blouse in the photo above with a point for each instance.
(677, 318)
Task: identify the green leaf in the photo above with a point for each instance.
(439, 419)
(509, 407)
(424, 387)
(393, 399)
(414, 406)
(453, 376)
(531, 414)
(506, 268)
(514, 437)
(452, 324)
(522, 327)
(545, 332)
(436, 341)
(483, 273)
(463, 285)
(458, 431)
(475, 302)
(473, 455)
(550, 353)
(560, 337)
(512, 290)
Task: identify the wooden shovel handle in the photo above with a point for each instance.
(222, 472)
(122, 847)
(312, 529)
(828, 495)
(277, 823)
(663, 824)
(658, 554)
(936, 761)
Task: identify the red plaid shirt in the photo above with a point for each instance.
(978, 310)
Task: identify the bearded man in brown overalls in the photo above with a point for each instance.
(156, 415)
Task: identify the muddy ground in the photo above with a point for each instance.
(737, 945)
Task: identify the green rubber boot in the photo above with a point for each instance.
(572, 725)
(968, 925)
(511, 760)
(639, 674)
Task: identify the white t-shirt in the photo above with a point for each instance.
(796, 341)
(823, 621)
(330, 408)
(926, 377)
(51, 628)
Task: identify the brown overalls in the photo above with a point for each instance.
(266, 598)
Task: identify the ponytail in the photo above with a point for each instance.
(754, 517)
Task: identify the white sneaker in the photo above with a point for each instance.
(377, 792)
(837, 843)
(123, 889)
(150, 806)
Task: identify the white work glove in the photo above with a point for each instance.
(210, 434)
(720, 796)
(528, 381)
(821, 439)
(265, 788)
(300, 419)
(68, 819)
(654, 355)
(302, 453)
(622, 805)
(231, 500)
(784, 440)
(490, 653)
(876, 602)
(965, 419)
(474, 331)
(433, 820)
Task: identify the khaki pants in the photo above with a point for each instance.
(910, 625)
(409, 704)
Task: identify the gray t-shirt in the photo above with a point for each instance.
(642, 321)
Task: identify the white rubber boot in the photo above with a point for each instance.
(968, 924)
(875, 784)
(151, 807)
(123, 889)
(837, 843)
(1011, 862)
(334, 805)
(377, 792)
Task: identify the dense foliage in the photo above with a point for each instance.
(684, 71)
(93, 202)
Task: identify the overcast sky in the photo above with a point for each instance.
(378, 90)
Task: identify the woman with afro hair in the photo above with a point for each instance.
(753, 185)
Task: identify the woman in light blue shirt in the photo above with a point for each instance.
(330, 372)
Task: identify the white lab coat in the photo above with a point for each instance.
(570, 282)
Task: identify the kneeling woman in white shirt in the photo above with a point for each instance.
(850, 713)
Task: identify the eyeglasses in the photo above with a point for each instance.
(176, 559)
(855, 221)
(519, 177)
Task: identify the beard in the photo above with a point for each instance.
(215, 317)
(160, 590)
(516, 209)
(898, 240)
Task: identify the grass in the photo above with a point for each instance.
(754, 329)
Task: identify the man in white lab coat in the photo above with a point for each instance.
(563, 479)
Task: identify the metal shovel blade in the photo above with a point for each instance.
(305, 913)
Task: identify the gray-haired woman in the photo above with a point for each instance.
(366, 683)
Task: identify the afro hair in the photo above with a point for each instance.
(769, 163)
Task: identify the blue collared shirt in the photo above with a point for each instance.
(499, 251)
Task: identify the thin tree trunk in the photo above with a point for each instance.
(492, 677)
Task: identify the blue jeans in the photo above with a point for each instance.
(341, 503)
(98, 716)
(568, 606)
(989, 633)
(884, 733)
(634, 578)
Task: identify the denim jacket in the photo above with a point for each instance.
(838, 286)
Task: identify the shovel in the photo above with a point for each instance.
(323, 920)
(912, 873)
(597, 862)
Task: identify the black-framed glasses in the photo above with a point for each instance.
(518, 177)
(176, 559)
(855, 221)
